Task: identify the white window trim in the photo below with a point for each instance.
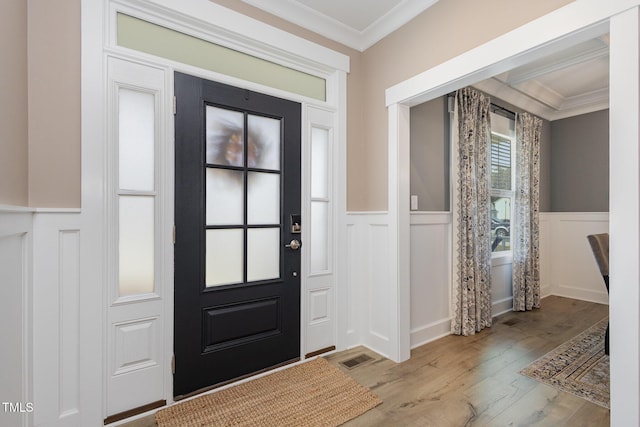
(505, 257)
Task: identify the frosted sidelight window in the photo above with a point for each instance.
(136, 140)
(263, 254)
(224, 257)
(263, 198)
(263, 143)
(320, 199)
(136, 245)
(319, 162)
(225, 197)
(319, 236)
(225, 137)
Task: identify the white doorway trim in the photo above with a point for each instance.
(578, 21)
(219, 25)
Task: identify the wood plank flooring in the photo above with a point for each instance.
(474, 381)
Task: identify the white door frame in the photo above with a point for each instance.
(224, 27)
(576, 22)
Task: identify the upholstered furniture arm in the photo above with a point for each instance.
(600, 247)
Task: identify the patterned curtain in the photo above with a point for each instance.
(472, 311)
(525, 227)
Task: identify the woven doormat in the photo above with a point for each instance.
(311, 394)
(578, 366)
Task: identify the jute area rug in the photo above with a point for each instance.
(311, 394)
(578, 366)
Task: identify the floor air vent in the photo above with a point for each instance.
(511, 322)
(355, 361)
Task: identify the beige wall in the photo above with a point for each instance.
(54, 103)
(52, 167)
(40, 112)
(13, 108)
(445, 30)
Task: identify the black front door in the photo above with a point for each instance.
(237, 262)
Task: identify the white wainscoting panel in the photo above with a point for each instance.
(368, 275)
(15, 265)
(501, 285)
(353, 274)
(430, 276)
(567, 269)
(378, 283)
(546, 253)
(567, 265)
(56, 296)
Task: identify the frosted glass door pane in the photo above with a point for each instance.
(224, 257)
(136, 245)
(263, 149)
(263, 198)
(319, 236)
(263, 254)
(136, 140)
(225, 197)
(225, 137)
(319, 163)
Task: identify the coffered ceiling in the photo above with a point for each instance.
(569, 83)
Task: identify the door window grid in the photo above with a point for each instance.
(247, 151)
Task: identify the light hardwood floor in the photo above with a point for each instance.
(474, 381)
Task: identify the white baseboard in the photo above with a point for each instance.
(502, 306)
(582, 294)
(430, 332)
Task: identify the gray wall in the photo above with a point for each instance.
(580, 163)
(430, 155)
(574, 160)
(545, 167)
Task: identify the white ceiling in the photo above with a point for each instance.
(572, 82)
(358, 24)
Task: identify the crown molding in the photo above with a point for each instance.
(306, 17)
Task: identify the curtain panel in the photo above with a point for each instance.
(525, 227)
(472, 289)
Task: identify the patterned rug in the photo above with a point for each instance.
(312, 394)
(578, 366)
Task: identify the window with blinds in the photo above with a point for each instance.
(502, 180)
(500, 162)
